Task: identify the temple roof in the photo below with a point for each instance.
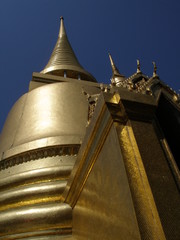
(63, 61)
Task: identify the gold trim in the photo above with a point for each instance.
(31, 202)
(61, 232)
(171, 161)
(90, 155)
(61, 150)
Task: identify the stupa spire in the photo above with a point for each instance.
(62, 30)
(63, 61)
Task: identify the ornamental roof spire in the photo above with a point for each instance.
(154, 70)
(138, 66)
(116, 76)
(63, 61)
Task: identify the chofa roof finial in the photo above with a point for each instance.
(155, 69)
(138, 66)
(116, 76)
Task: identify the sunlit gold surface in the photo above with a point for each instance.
(33, 218)
(52, 234)
(91, 188)
(105, 210)
(63, 60)
(37, 118)
(31, 198)
(98, 188)
(108, 188)
(70, 163)
(145, 207)
(38, 150)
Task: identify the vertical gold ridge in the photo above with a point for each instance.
(75, 191)
(146, 211)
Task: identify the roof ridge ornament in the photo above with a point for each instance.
(138, 66)
(63, 61)
(154, 70)
(114, 68)
(117, 77)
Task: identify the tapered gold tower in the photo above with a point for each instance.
(63, 61)
(86, 160)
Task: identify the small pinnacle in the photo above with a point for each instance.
(155, 69)
(116, 76)
(62, 18)
(138, 66)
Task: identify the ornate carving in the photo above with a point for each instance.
(61, 150)
(92, 99)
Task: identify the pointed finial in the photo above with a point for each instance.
(112, 63)
(155, 69)
(62, 30)
(116, 76)
(63, 61)
(138, 66)
(114, 68)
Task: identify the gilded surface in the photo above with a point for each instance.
(146, 212)
(43, 217)
(82, 183)
(105, 209)
(37, 118)
(108, 188)
(63, 61)
(162, 176)
(64, 150)
(98, 188)
(38, 151)
(31, 198)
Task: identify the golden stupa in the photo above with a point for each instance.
(84, 160)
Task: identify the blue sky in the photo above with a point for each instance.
(148, 30)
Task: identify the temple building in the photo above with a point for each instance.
(86, 160)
